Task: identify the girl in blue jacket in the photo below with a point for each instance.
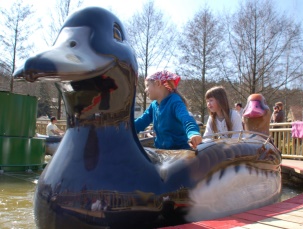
(173, 126)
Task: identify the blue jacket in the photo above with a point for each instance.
(171, 122)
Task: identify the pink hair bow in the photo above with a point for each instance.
(165, 76)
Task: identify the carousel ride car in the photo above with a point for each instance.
(102, 175)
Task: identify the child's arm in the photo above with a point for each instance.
(190, 125)
(194, 141)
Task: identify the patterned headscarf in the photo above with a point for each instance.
(165, 76)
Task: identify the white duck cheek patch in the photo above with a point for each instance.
(235, 190)
(73, 52)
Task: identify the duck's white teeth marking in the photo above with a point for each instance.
(235, 189)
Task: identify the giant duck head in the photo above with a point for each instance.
(256, 114)
(88, 57)
(90, 42)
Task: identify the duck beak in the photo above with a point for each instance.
(254, 110)
(70, 58)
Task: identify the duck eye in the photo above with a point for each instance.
(117, 33)
(72, 44)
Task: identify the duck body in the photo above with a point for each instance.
(102, 176)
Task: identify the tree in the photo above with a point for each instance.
(15, 34)
(263, 49)
(44, 100)
(200, 54)
(58, 15)
(152, 36)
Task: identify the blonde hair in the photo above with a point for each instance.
(220, 95)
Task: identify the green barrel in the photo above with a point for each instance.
(17, 115)
(19, 149)
(20, 154)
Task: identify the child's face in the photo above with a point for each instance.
(213, 105)
(151, 89)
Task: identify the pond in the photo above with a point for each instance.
(16, 199)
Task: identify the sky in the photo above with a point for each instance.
(179, 11)
(182, 10)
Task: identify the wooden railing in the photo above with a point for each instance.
(280, 133)
(290, 147)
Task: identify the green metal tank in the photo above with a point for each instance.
(17, 115)
(21, 154)
(19, 149)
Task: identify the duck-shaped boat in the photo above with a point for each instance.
(101, 175)
(51, 143)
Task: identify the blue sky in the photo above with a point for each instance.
(178, 10)
(182, 10)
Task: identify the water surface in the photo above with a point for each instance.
(16, 200)
(17, 192)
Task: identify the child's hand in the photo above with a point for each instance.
(194, 141)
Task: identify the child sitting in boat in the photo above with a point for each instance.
(221, 117)
(173, 126)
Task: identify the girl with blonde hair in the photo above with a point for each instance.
(221, 117)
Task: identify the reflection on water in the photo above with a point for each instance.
(16, 199)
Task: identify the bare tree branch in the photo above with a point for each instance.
(200, 55)
(262, 44)
(153, 38)
(16, 28)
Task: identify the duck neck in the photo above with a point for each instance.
(102, 101)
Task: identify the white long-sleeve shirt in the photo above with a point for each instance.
(222, 127)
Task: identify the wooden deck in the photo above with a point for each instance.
(287, 214)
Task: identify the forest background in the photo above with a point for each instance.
(254, 49)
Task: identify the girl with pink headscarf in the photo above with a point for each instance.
(172, 123)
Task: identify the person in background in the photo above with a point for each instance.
(278, 113)
(274, 114)
(52, 129)
(221, 117)
(238, 107)
(173, 126)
